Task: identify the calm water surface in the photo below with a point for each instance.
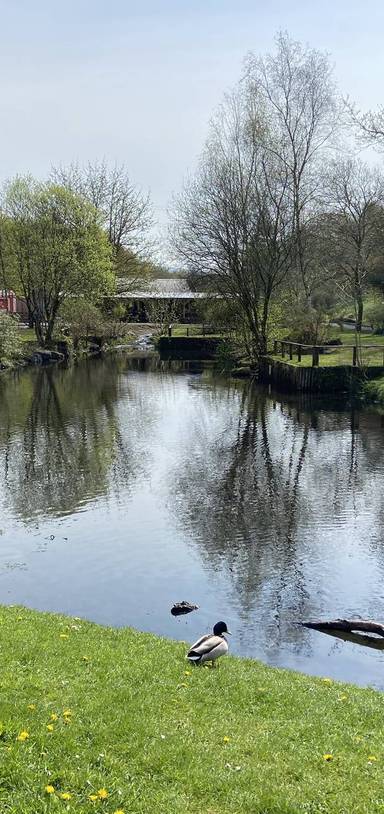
(126, 486)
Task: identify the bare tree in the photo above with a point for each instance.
(233, 222)
(294, 88)
(355, 196)
(126, 212)
(369, 126)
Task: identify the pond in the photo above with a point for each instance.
(128, 485)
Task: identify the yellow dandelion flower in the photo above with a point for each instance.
(64, 636)
(328, 757)
(326, 680)
(93, 797)
(50, 789)
(67, 712)
(54, 717)
(343, 697)
(102, 794)
(65, 795)
(50, 727)
(226, 739)
(32, 706)
(23, 735)
(372, 757)
(85, 658)
(187, 673)
(119, 811)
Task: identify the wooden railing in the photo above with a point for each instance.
(287, 348)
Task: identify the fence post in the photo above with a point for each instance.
(187, 330)
(290, 351)
(282, 350)
(299, 353)
(169, 330)
(315, 357)
(354, 358)
(275, 347)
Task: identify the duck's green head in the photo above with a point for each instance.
(220, 628)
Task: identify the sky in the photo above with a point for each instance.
(137, 82)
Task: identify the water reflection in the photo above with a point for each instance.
(167, 482)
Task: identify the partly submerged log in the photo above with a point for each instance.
(179, 608)
(347, 626)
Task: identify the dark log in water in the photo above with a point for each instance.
(347, 626)
(179, 608)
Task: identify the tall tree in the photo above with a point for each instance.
(233, 222)
(355, 239)
(295, 89)
(57, 249)
(126, 213)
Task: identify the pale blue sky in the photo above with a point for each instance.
(136, 82)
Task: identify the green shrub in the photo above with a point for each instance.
(10, 340)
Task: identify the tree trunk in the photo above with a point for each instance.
(347, 625)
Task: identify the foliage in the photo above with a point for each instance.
(307, 325)
(120, 710)
(56, 248)
(10, 340)
(374, 391)
(82, 317)
(374, 314)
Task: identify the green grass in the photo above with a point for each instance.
(194, 329)
(342, 354)
(27, 335)
(161, 736)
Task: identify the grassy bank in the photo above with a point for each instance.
(102, 720)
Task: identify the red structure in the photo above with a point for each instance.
(12, 304)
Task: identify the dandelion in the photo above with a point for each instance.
(85, 658)
(187, 673)
(343, 697)
(65, 795)
(102, 794)
(54, 717)
(326, 680)
(226, 739)
(67, 713)
(372, 758)
(50, 727)
(119, 811)
(328, 757)
(32, 706)
(50, 789)
(64, 636)
(23, 735)
(93, 797)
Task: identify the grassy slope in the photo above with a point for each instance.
(160, 736)
(342, 355)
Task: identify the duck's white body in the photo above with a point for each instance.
(208, 648)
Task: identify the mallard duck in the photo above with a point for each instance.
(211, 646)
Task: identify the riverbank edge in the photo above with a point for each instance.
(118, 718)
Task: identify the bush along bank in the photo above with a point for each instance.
(373, 392)
(96, 719)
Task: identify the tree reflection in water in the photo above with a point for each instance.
(60, 440)
(261, 497)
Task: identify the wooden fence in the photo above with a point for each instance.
(285, 348)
